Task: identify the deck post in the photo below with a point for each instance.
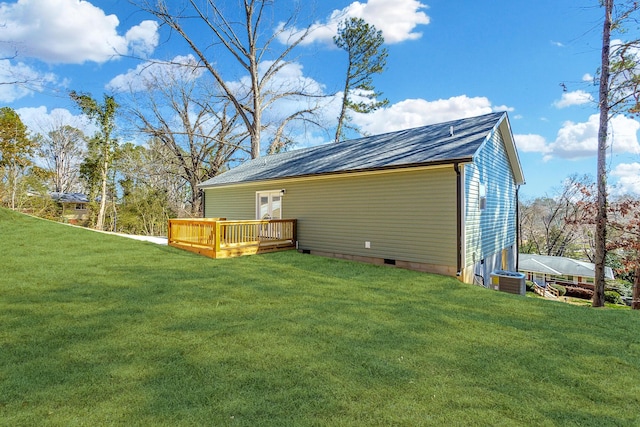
(218, 238)
(295, 232)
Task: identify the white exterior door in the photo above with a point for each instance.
(269, 205)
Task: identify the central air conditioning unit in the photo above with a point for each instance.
(508, 281)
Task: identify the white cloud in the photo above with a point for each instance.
(578, 97)
(628, 175)
(180, 68)
(70, 31)
(20, 80)
(624, 135)
(40, 120)
(580, 140)
(397, 19)
(587, 78)
(503, 108)
(289, 78)
(531, 143)
(576, 140)
(143, 38)
(419, 112)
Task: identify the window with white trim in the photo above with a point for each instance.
(482, 196)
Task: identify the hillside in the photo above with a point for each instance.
(96, 329)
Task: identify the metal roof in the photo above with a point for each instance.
(559, 266)
(427, 145)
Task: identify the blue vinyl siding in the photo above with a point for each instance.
(490, 230)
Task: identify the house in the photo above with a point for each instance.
(74, 206)
(441, 198)
(543, 269)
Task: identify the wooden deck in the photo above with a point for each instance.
(219, 238)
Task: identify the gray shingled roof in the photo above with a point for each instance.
(425, 145)
(69, 197)
(560, 266)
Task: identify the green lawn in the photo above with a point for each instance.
(97, 329)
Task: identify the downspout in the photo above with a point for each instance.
(456, 167)
(204, 202)
(518, 228)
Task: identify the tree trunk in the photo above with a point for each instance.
(255, 137)
(13, 184)
(256, 125)
(601, 217)
(343, 110)
(635, 302)
(196, 199)
(103, 198)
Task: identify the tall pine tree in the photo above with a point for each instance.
(363, 44)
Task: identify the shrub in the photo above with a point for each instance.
(561, 289)
(620, 286)
(530, 286)
(612, 297)
(578, 292)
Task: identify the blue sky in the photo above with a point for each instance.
(447, 60)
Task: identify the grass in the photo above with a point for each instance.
(97, 329)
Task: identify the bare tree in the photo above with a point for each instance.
(153, 166)
(238, 34)
(555, 225)
(62, 149)
(200, 135)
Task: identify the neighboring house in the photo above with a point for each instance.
(74, 206)
(544, 269)
(440, 198)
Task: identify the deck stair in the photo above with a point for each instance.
(546, 291)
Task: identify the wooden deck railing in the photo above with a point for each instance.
(546, 291)
(219, 238)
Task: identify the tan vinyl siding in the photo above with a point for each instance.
(492, 229)
(406, 215)
(231, 203)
